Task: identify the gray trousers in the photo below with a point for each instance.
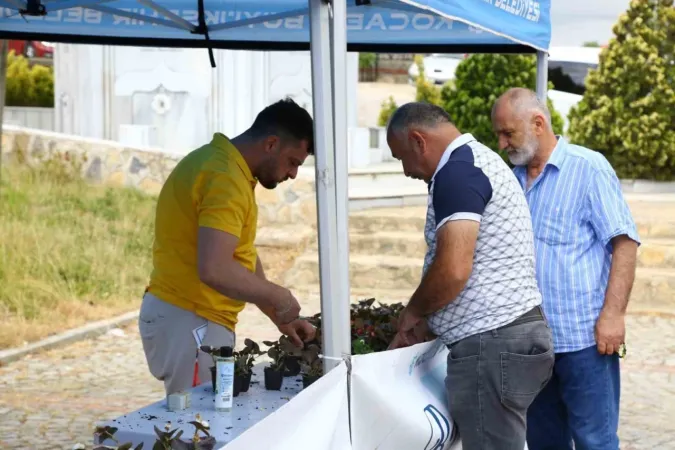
(170, 347)
(494, 376)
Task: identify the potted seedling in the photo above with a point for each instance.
(215, 352)
(211, 351)
(291, 366)
(169, 439)
(274, 373)
(292, 357)
(243, 365)
(374, 327)
(311, 364)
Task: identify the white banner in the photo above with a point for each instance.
(317, 418)
(398, 400)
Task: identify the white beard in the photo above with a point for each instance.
(523, 155)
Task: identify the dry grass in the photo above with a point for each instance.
(70, 252)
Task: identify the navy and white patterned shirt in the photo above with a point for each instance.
(473, 183)
(577, 208)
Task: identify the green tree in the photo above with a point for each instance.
(479, 81)
(26, 85)
(628, 110)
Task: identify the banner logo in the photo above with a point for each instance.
(439, 428)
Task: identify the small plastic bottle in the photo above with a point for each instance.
(224, 379)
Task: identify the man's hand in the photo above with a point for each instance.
(299, 331)
(610, 331)
(411, 330)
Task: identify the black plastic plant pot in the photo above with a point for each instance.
(213, 378)
(236, 386)
(292, 365)
(244, 381)
(309, 379)
(273, 379)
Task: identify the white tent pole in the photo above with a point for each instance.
(333, 336)
(340, 129)
(542, 75)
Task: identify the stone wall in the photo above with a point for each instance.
(292, 203)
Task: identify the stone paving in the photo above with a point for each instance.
(52, 400)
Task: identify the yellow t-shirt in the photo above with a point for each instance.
(210, 187)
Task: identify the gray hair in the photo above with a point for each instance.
(416, 114)
(524, 101)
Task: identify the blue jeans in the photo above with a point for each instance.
(580, 403)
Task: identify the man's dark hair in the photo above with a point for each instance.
(285, 119)
(417, 114)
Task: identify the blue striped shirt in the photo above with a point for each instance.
(577, 207)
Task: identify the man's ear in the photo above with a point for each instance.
(272, 144)
(539, 122)
(417, 142)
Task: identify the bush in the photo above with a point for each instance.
(28, 86)
(479, 81)
(43, 81)
(367, 60)
(388, 108)
(426, 91)
(628, 110)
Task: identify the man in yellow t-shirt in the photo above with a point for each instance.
(206, 267)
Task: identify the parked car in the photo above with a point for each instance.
(32, 49)
(438, 67)
(568, 68)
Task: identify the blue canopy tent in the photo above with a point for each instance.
(328, 28)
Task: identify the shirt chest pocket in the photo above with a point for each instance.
(557, 225)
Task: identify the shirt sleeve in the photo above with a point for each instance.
(461, 191)
(610, 215)
(222, 203)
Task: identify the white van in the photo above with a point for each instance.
(439, 68)
(567, 70)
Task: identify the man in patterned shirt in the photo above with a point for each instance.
(586, 244)
(478, 293)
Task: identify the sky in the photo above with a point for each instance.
(574, 22)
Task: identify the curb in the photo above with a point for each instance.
(87, 331)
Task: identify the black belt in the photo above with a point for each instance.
(532, 315)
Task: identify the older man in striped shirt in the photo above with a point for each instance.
(586, 244)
